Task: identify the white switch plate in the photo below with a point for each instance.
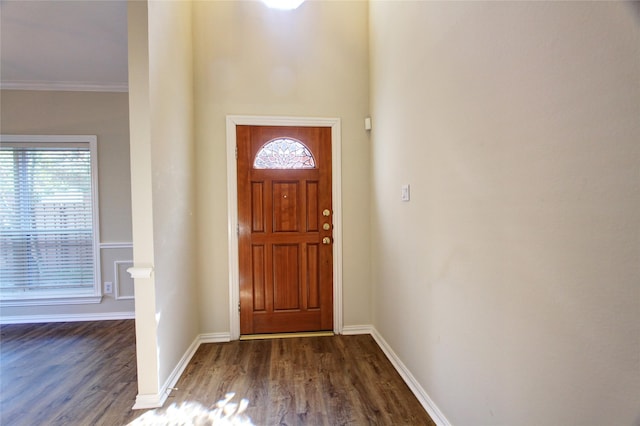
(405, 193)
(108, 287)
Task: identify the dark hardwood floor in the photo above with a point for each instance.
(67, 373)
(85, 374)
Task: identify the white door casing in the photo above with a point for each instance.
(232, 205)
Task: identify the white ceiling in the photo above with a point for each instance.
(63, 45)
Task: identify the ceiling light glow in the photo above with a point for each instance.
(283, 4)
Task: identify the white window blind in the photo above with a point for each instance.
(48, 217)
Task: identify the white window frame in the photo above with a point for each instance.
(66, 299)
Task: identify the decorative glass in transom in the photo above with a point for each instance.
(284, 153)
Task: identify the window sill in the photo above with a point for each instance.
(57, 300)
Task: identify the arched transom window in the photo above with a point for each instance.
(284, 153)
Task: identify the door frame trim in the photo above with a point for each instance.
(232, 206)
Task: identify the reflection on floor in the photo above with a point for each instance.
(225, 413)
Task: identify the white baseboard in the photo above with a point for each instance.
(350, 330)
(147, 401)
(31, 319)
(215, 337)
(179, 369)
(416, 388)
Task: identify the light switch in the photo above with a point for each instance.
(405, 193)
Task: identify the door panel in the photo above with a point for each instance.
(285, 206)
(258, 276)
(312, 206)
(286, 269)
(313, 275)
(286, 274)
(257, 206)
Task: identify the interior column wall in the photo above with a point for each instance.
(173, 185)
(163, 188)
(142, 198)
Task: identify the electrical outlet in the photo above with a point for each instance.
(108, 287)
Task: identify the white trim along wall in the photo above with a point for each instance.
(232, 203)
(155, 401)
(68, 86)
(120, 266)
(122, 249)
(36, 319)
(434, 412)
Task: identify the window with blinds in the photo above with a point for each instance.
(48, 218)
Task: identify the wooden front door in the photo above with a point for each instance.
(285, 229)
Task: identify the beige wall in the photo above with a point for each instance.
(105, 115)
(509, 284)
(250, 60)
(163, 188)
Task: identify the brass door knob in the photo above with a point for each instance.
(326, 212)
(326, 226)
(326, 240)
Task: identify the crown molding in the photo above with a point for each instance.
(64, 86)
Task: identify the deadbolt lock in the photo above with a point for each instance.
(326, 212)
(326, 226)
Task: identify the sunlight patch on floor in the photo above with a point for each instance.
(224, 413)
